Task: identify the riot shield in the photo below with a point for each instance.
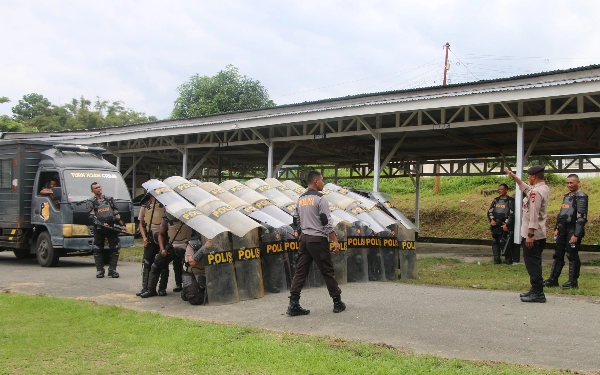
(298, 189)
(273, 260)
(259, 201)
(340, 260)
(274, 195)
(241, 205)
(407, 253)
(293, 195)
(385, 201)
(246, 251)
(358, 252)
(221, 283)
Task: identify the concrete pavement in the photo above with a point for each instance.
(448, 322)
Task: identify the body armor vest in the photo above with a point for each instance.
(184, 234)
(502, 209)
(104, 211)
(567, 209)
(154, 218)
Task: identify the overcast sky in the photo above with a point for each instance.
(139, 52)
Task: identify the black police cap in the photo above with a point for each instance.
(535, 169)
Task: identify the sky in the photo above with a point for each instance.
(139, 52)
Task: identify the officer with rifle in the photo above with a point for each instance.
(175, 231)
(501, 216)
(568, 232)
(150, 216)
(105, 217)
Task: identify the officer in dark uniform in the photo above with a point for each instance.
(502, 220)
(150, 216)
(104, 215)
(533, 228)
(568, 233)
(178, 234)
(313, 221)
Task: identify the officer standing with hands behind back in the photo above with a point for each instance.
(568, 233)
(533, 228)
(312, 220)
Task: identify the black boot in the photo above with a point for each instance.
(555, 271)
(177, 269)
(294, 307)
(164, 279)
(99, 261)
(496, 253)
(526, 294)
(338, 305)
(112, 267)
(534, 296)
(574, 267)
(152, 281)
(145, 273)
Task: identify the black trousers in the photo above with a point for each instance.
(533, 263)
(563, 246)
(314, 248)
(150, 251)
(100, 234)
(498, 245)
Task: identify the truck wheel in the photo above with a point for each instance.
(47, 255)
(21, 253)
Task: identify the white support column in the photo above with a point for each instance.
(518, 192)
(376, 162)
(119, 162)
(184, 163)
(418, 193)
(270, 160)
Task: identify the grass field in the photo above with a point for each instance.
(44, 335)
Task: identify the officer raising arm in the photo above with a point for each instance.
(104, 215)
(533, 228)
(313, 220)
(568, 233)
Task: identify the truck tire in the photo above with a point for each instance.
(21, 253)
(47, 255)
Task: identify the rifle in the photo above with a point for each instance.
(116, 229)
(506, 241)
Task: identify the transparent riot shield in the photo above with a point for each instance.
(298, 189)
(259, 201)
(273, 260)
(340, 260)
(248, 271)
(389, 254)
(273, 194)
(385, 200)
(246, 243)
(407, 253)
(358, 252)
(221, 283)
(241, 205)
(293, 195)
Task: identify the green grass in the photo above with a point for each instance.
(44, 335)
(486, 275)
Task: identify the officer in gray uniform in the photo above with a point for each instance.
(194, 275)
(312, 221)
(533, 229)
(568, 233)
(502, 220)
(104, 215)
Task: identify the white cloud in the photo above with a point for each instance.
(140, 51)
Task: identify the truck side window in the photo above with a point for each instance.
(47, 182)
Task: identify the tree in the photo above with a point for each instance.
(227, 91)
(4, 99)
(30, 106)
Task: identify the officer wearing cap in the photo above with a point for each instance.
(533, 228)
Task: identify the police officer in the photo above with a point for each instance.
(104, 215)
(501, 216)
(568, 233)
(313, 221)
(178, 234)
(150, 216)
(194, 275)
(533, 228)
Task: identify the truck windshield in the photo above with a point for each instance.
(77, 184)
